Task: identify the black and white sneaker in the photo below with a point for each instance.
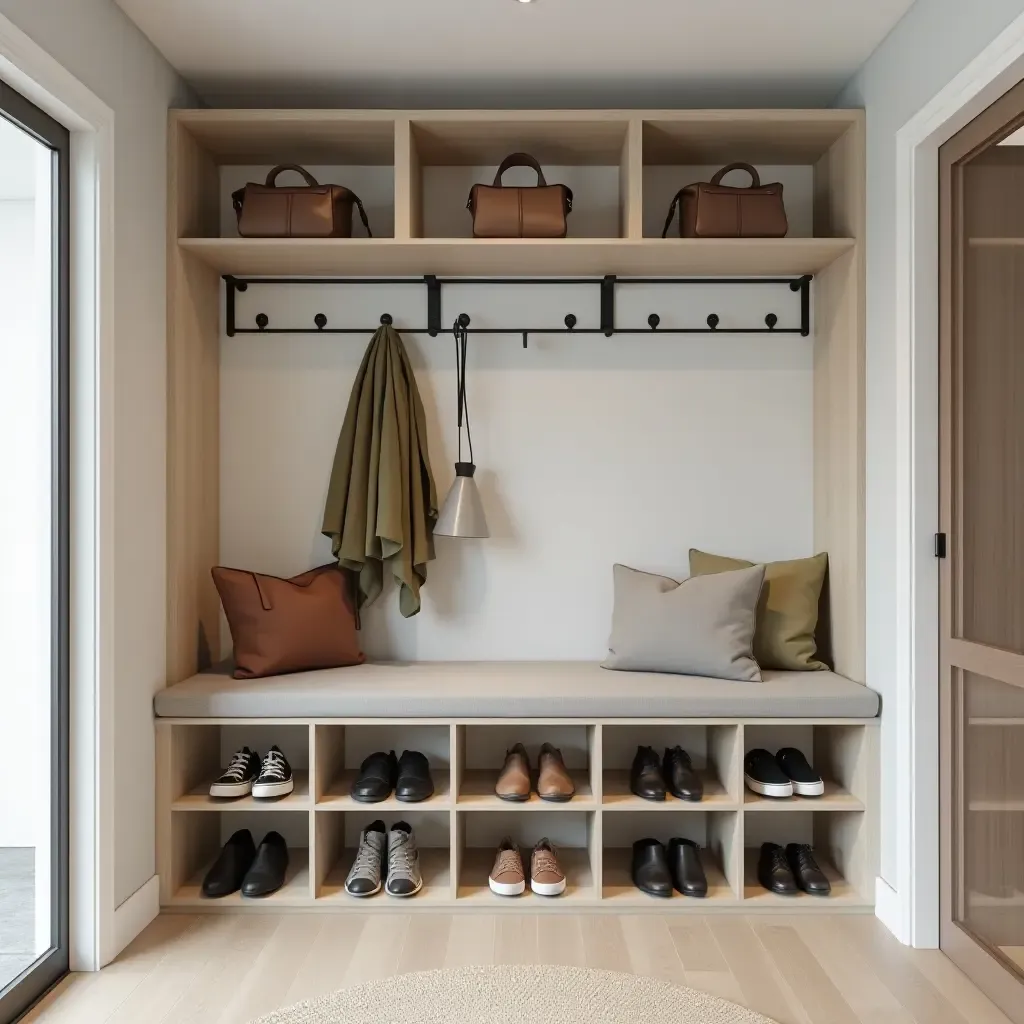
(806, 781)
(404, 878)
(239, 775)
(366, 876)
(275, 778)
(763, 776)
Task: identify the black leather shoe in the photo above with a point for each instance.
(687, 871)
(680, 778)
(268, 869)
(650, 868)
(774, 872)
(645, 779)
(414, 782)
(808, 875)
(225, 877)
(376, 778)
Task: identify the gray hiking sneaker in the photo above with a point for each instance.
(364, 878)
(404, 877)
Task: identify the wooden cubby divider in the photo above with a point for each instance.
(460, 826)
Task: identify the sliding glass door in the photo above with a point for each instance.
(34, 185)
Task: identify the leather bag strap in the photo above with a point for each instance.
(672, 212)
(309, 179)
(362, 217)
(752, 171)
(519, 160)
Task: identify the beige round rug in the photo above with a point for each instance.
(516, 995)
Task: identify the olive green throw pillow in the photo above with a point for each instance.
(787, 614)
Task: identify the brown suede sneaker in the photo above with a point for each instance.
(546, 875)
(554, 781)
(507, 877)
(514, 781)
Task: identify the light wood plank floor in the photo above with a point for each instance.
(229, 969)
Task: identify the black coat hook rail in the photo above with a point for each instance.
(607, 286)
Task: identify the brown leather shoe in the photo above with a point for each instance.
(514, 781)
(546, 875)
(554, 781)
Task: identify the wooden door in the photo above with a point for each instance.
(982, 576)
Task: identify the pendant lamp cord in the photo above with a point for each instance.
(461, 346)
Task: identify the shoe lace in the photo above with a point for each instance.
(779, 859)
(238, 767)
(401, 853)
(509, 860)
(544, 859)
(805, 858)
(273, 765)
(367, 856)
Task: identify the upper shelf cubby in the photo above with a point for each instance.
(414, 171)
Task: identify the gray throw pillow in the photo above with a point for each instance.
(703, 626)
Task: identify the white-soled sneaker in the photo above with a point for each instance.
(275, 778)
(238, 777)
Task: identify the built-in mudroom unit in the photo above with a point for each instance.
(633, 397)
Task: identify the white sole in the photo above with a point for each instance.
(230, 789)
(776, 790)
(809, 788)
(548, 888)
(507, 888)
(364, 895)
(404, 895)
(267, 789)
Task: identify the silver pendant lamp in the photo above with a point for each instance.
(462, 514)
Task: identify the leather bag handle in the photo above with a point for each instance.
(519, 160)
(751, 170)
(309, 179)
(366, 224)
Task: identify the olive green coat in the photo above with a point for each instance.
(381, 503)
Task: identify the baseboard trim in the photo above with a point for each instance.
(136, 913)
(889, 910)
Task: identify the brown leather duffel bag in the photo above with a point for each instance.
(506, 211)
(709, 209)
(301, 211)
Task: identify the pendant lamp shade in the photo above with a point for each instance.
(462, 514)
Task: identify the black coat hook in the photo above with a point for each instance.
(653, 320)
(386, 319)
(320, 320)
(771, 320)
(463, 320)
(262, 320)
(713, 321)
(526, 336)
(570, 321)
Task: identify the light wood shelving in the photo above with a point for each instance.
(459, 828)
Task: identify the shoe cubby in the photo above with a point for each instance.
(196, 839)
(452, 154)
(714, 750)
(838, 752)
(575, 834)
(843, 847)
(225, 153)
(480, 755)
(458, 830)
(687, 147)
(336, 840)
(339, 750)
(198, 754)
(717, 835)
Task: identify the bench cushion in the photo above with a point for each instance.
(523, 689)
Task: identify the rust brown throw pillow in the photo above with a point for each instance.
(295, 625)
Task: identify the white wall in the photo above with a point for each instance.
(590, 450)
(932, 43)
(96, 43)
